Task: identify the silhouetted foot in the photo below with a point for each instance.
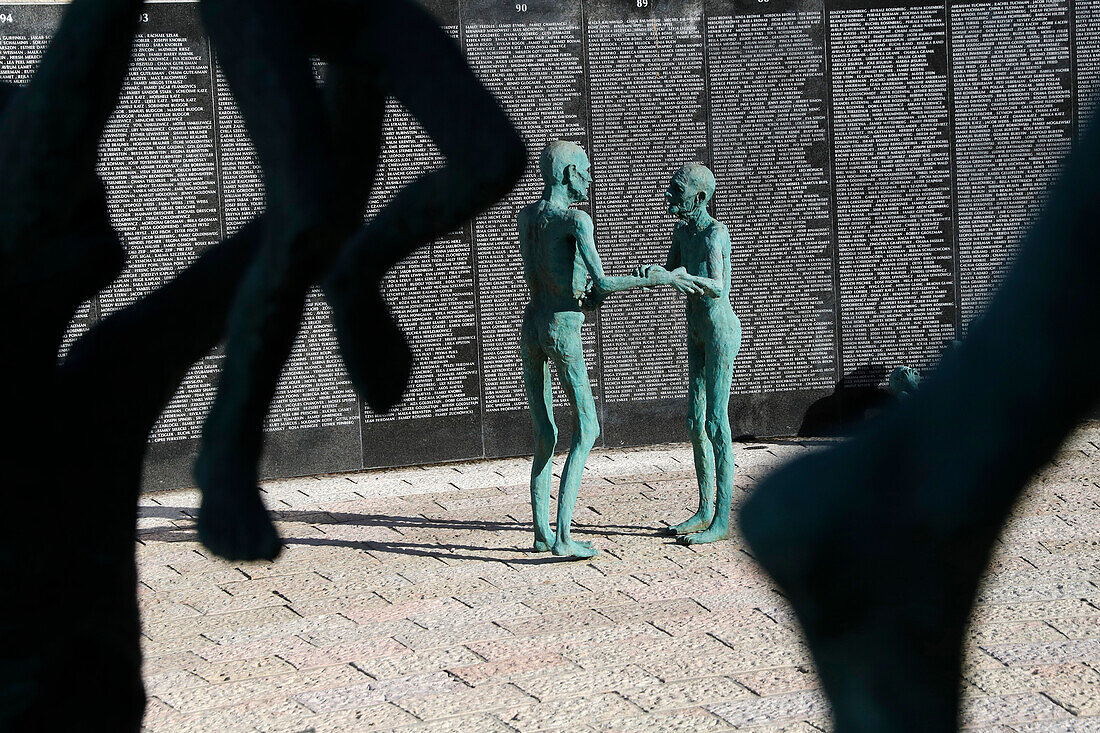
(696, 523)
(881, 585)
(375, 352)
(233, 522)
(574, 548)
(713, 533)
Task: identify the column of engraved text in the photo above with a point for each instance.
(767, 91)
(647, 88)
(1013, 127)
(893, 191)
(535, 70)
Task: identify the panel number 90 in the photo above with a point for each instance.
(521, 7)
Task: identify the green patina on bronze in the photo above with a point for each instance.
(565, 276)
(700, 251)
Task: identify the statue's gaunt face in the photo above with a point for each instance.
(682, 198)
(581, 178)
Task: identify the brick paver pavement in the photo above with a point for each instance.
(407, 600)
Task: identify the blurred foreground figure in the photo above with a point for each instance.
(79, 429)
(70, 592)
(266, 50)
(82, 425)
(879, 542)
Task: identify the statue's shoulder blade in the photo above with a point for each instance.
(579, 218)
(717, 231)
(527, 212)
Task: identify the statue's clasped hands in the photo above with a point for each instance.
(678, 278)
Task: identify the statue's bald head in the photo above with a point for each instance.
(556, 157)
(696, 176)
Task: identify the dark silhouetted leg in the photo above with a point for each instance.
(424, 70)
(266, 60)
(139, 355)
(110, 389)
(57, 247)
(880, 542)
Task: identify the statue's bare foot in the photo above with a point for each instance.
(544, 537)
(713, 533)
(881, 584)
(546, 546)
(375, 351)
(233, 522)
(697, 523)
(574, 548)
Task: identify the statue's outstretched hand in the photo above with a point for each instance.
(683, 282)
(656, 274)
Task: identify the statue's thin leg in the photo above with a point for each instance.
(425, 71)
(700, 442)
(267, 65)
(536, 378)
(720, 353)
(569, 359)
(879, 543)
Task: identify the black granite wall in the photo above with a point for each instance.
(876, 162)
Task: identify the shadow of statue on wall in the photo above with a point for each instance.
(857, 397)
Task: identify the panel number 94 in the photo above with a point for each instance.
(6, 18)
